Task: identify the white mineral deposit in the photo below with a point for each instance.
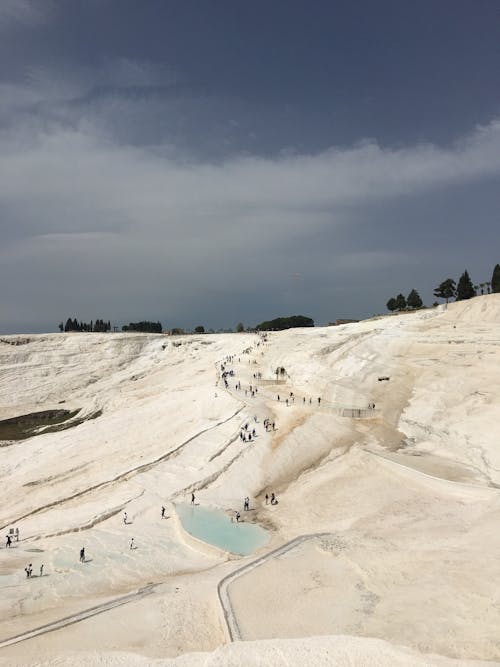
(384, 537)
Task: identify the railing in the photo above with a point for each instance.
(271, 382)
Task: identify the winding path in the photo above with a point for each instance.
(233, 629)
(79, 616)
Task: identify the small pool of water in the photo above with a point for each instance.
(216, 528)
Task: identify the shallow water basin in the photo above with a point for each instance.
(215, 527)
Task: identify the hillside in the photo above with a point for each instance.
(393, 510)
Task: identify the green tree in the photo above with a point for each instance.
(495, 279)
(144, 326)
(446, 290)
(465, 288)
(240, 327)
(199, 329)
(400, 302)
(414, 300)
(281, 323)
(391, 304)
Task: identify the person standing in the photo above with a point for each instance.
(41, 570)
(8, 542)
(192, 498)
(82, 555)
(162, 512)
(132, 546)
(125, 517)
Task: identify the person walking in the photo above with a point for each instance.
(41, 570)
(132, 546)
(125, 517)
(8, 542)
(238, 517)
(192, 498)
(162, 512)
(82, 555)
(267, 498)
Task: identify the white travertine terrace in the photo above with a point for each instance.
(407, 499)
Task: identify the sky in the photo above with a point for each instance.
(210, 162)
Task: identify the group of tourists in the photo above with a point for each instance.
(269, 425)
(274, 500)
(247, 435)
(289, 400)
(29, 571)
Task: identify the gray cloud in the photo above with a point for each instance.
(95, 226)
(24, 12)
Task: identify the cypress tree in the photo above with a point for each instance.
(414, 300)
(495, 279)
(391, 304)
(400, 302)
(465, 288)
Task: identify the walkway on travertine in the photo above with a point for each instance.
(283, 390)
(233, 629)
(79, 616)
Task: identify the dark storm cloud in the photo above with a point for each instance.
(134, 185)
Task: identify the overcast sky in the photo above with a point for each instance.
(217, 161)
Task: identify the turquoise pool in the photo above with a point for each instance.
(216, 528)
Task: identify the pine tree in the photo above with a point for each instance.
(465, 288)
(400, 302)
(446, 290)
(414, 300)
(391, 304)
(495, 280)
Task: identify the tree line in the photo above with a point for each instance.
(74, 325)
(449, 289)
(143, 327)
(465, 289)
(281, 323)
(401, 303)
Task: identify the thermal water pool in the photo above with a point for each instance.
(216, 528)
